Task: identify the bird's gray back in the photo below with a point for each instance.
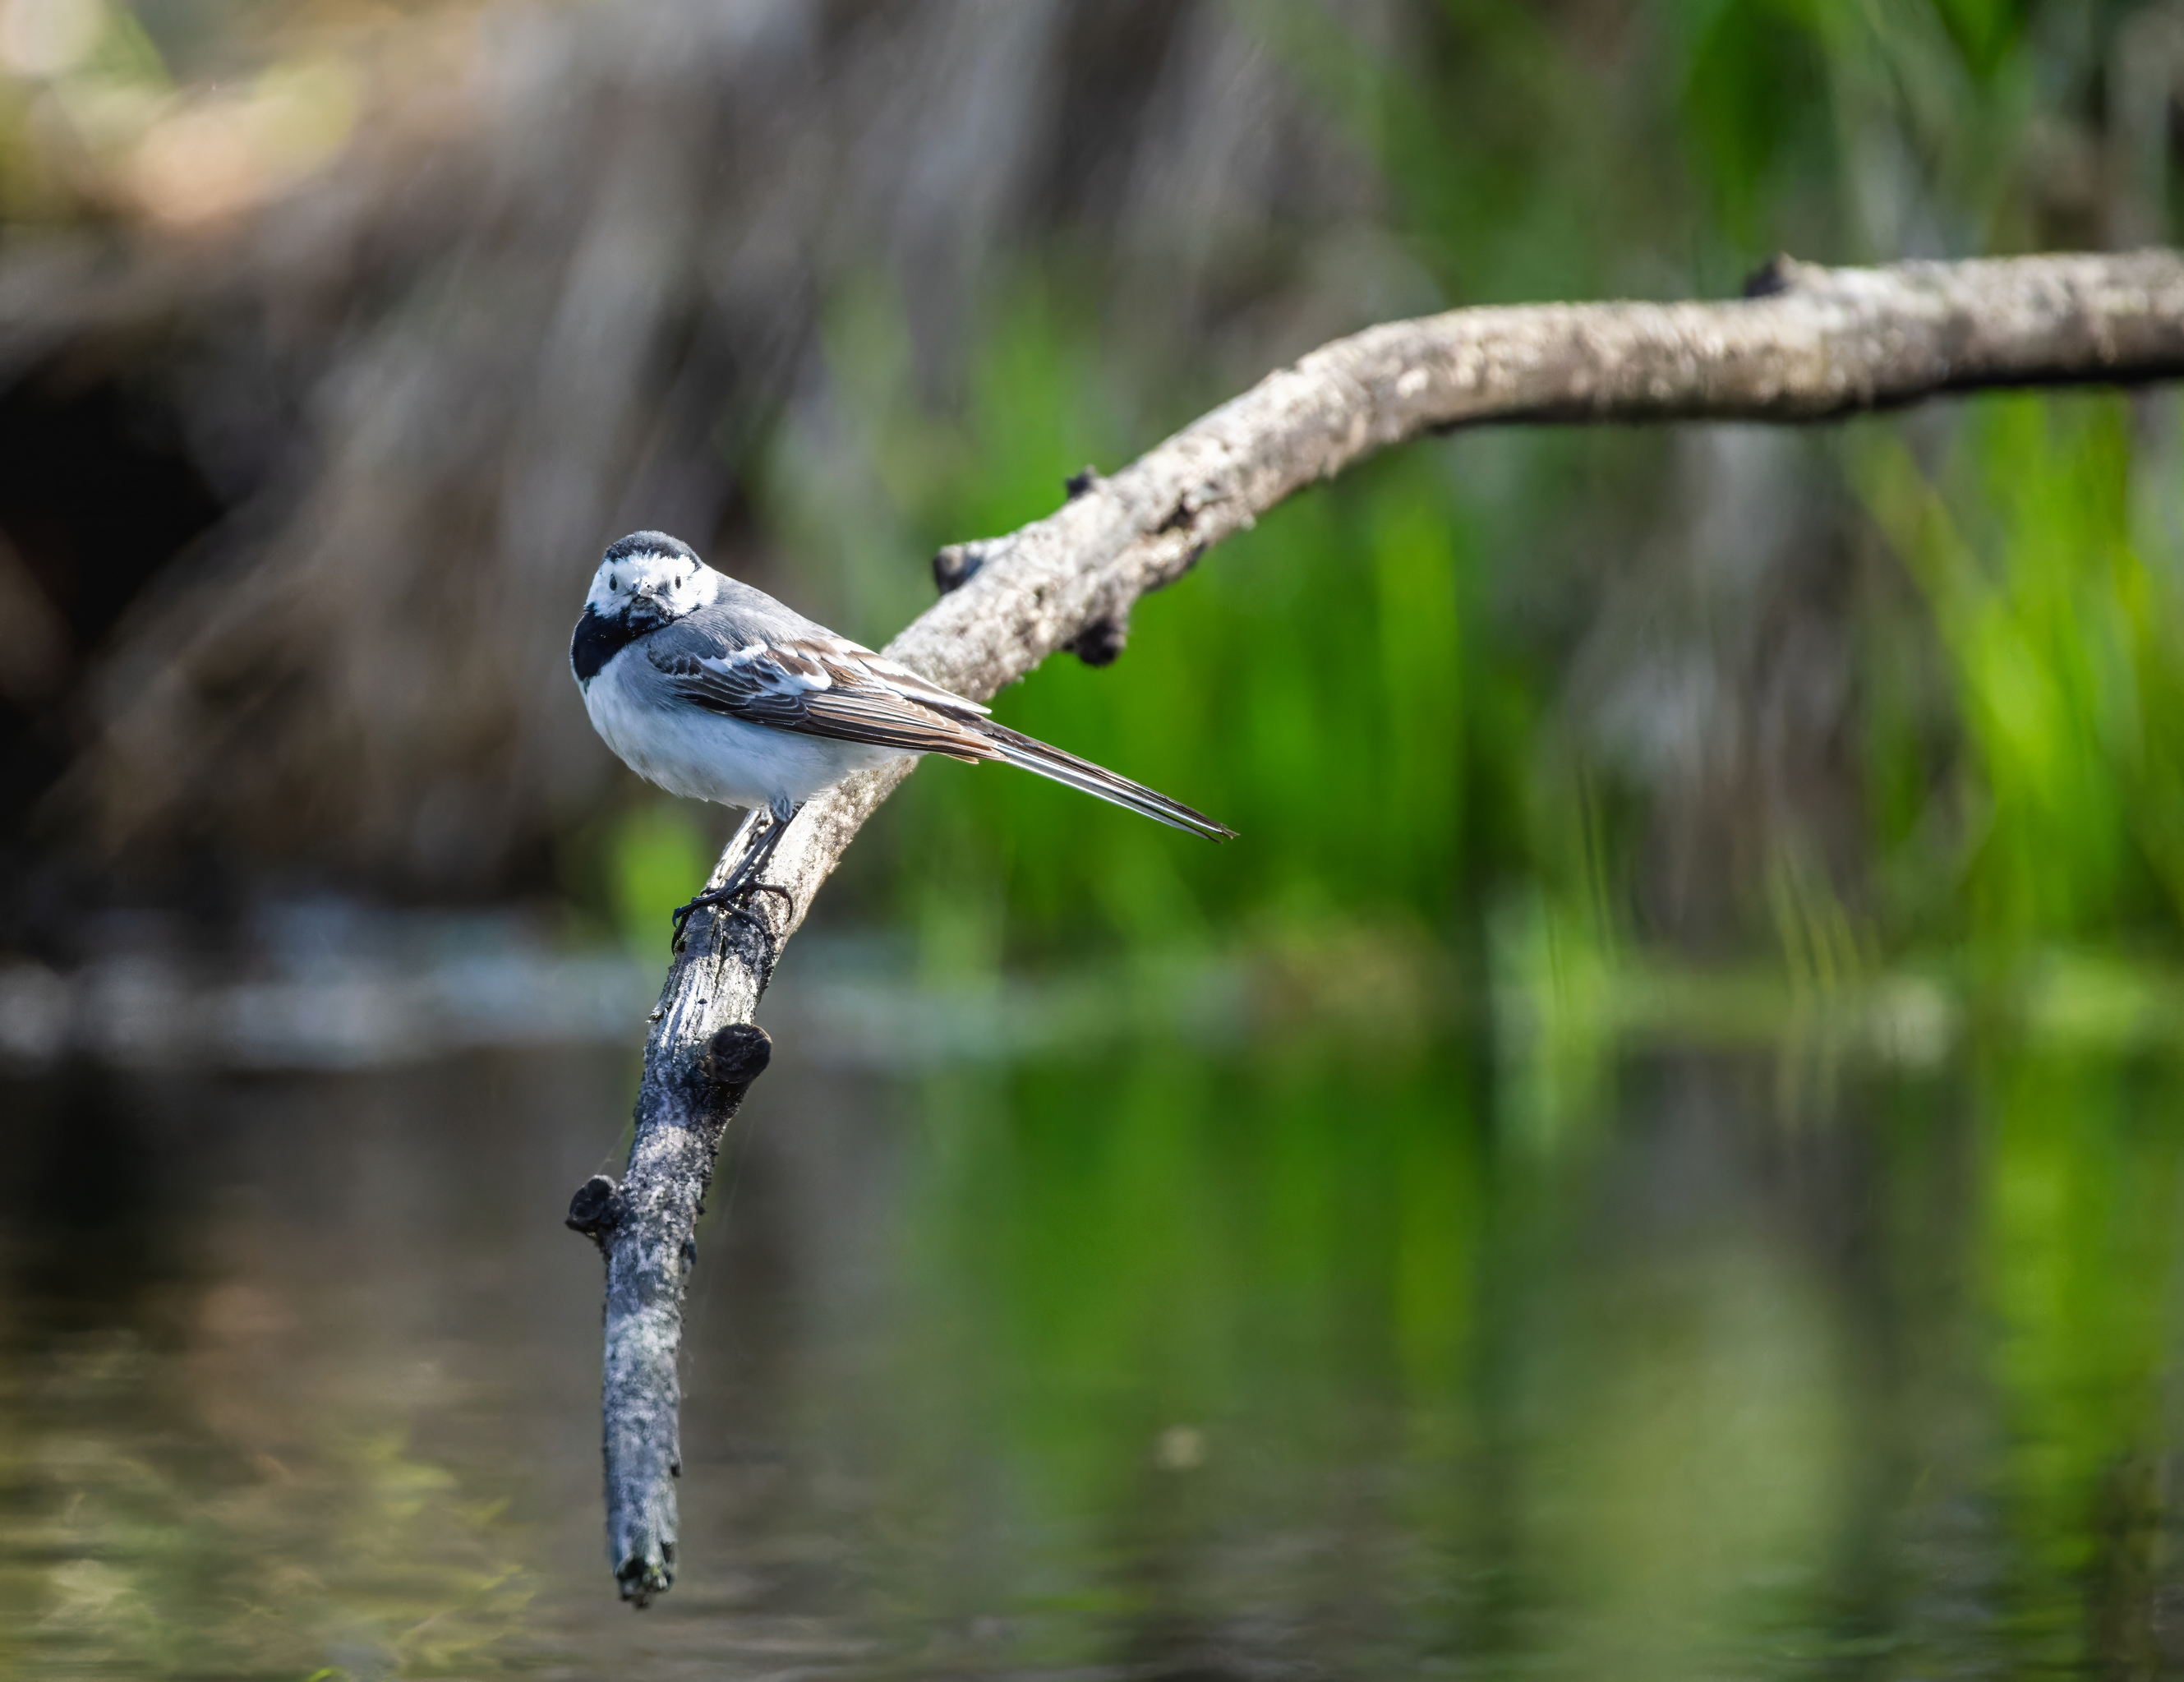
(750, 615)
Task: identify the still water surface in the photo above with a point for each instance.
(1301, 1362)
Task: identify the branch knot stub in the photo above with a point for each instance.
(958, 564)
(733, 1059)
(1779, 273)
(1099, 643)
(596, 1209)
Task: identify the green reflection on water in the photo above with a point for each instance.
(1150, 1364)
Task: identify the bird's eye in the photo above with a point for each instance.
(613, 581)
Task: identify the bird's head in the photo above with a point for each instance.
(649, 579)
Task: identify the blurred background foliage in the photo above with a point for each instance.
(1908, 679)
(341, 338)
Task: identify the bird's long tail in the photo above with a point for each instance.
(1023, 751)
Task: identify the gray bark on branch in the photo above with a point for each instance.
(1806, 343)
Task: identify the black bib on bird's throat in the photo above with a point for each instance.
(599, 640)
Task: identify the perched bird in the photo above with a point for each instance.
(716, 691)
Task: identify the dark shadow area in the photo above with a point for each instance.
(98, 493)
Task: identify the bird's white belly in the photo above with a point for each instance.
(706, 756)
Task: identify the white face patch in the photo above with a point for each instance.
(652, 584)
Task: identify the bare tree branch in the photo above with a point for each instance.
(1807, 343)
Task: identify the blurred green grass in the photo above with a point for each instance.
(1371, 686)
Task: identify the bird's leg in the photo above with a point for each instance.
(743, 878)
(732, 886)
(782, 813)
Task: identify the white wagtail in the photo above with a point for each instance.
(716, 691)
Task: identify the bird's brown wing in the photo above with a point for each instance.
(834, 690)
